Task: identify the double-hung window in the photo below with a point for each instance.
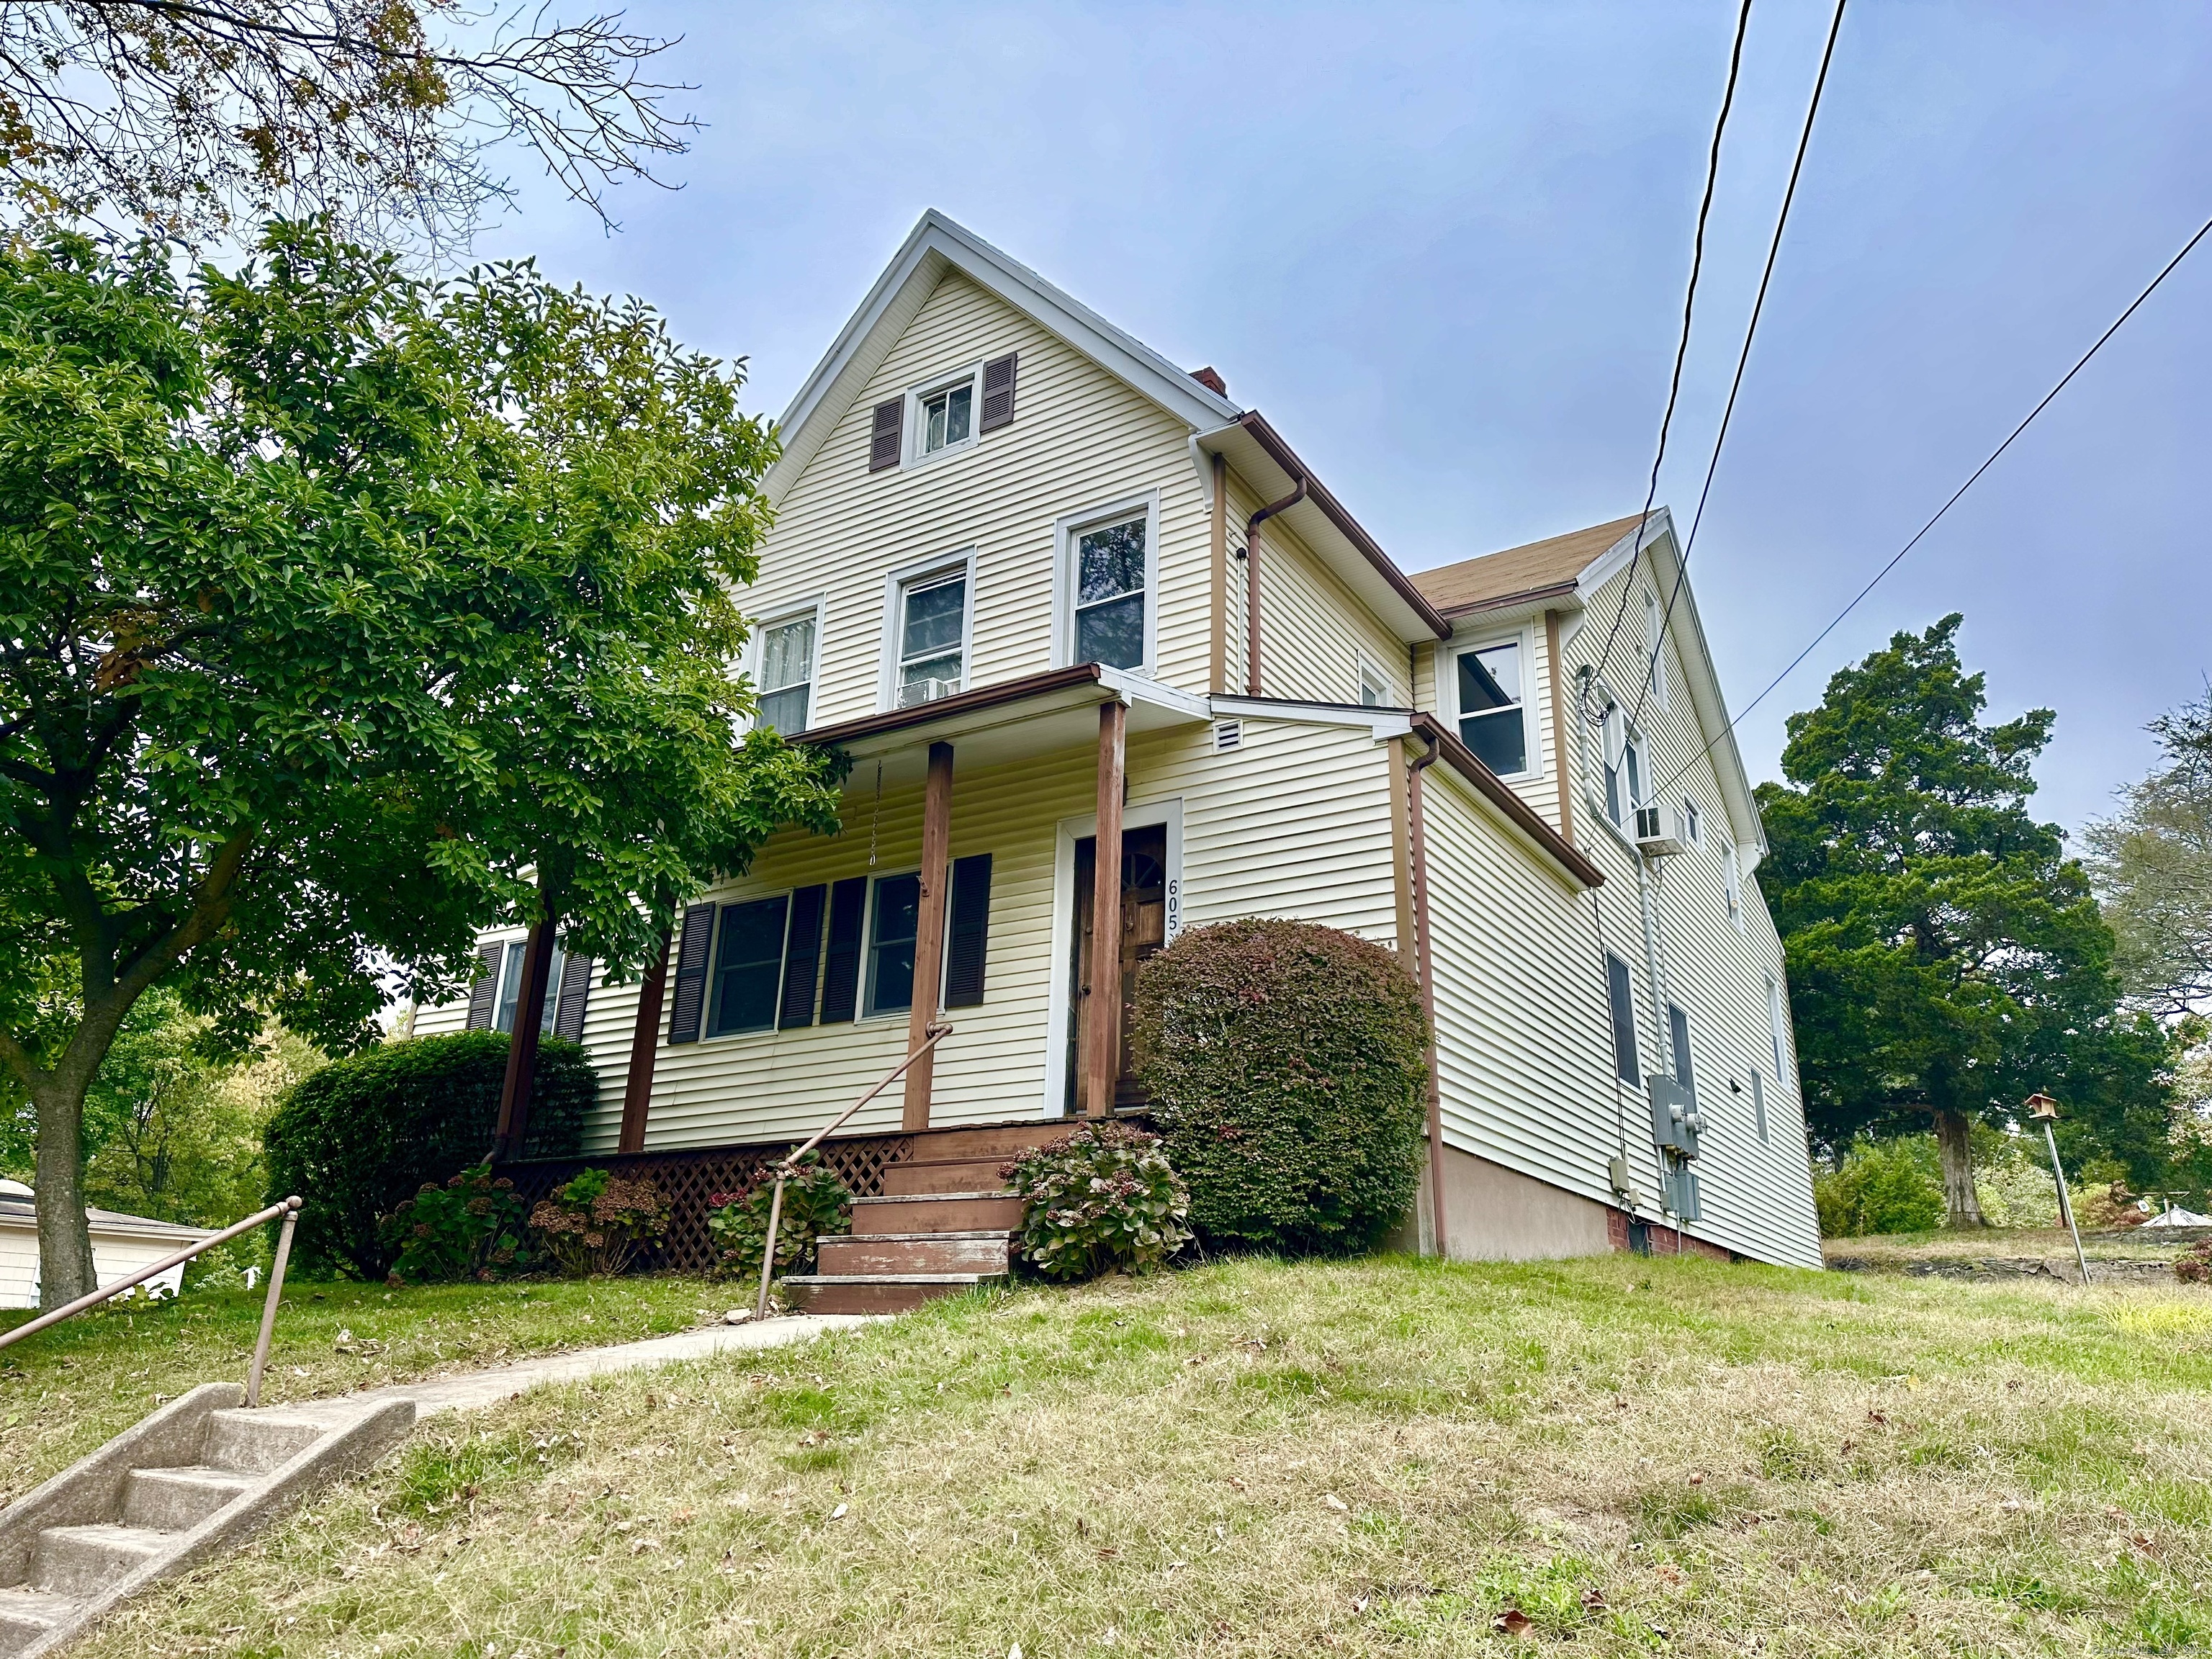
(748, 967)
(1678, 1037)
(1626, 769)
(786, 674)
(1374, 689)
(1111, 578)
(1732, 865)
(894, 920)
(510, 987)
(1777, 1018)
(946, 418)
(932, 622)
(1493, 720)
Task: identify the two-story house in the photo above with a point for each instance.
(1112, 662)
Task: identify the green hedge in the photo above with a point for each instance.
(366, 1132)
(1287, 1065)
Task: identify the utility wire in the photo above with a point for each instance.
(1689, 307)
(1743, 358)
(1898, 557)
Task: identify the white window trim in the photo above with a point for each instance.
(1064, 531)
(1369, 669)
(1732, 883)
(917, 395)
(706, 1034)
(894, 586)
(865, 992)
(1777, 1016)
(1654, 649)
(813, 609)
(1059, 1011)
(1593, 785)
(1531, 734)
(1693, 819)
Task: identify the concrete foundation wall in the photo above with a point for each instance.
(1492, 1213)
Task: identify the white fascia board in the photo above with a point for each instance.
(1608, 564)
(1382, 723)
(1705, 695)
(1131, 687)
(937, 244)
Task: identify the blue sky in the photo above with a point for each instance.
(1443, 248)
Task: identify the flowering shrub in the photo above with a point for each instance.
(815, 1201)
(1102, 1198)
(1285, 1063)
(599, 1223)
(2194, 1265)
(470, 1228)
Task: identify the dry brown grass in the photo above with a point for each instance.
(1381, 1458)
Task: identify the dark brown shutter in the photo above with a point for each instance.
(483, 995)
(970, 921)
(691, 956)
(841, 974)
(998, 393)
(886, 438)
(802, 957)
(575, 991)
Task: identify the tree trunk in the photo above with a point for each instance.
(521, 1079)
(1954, 1143)
(65, 1266)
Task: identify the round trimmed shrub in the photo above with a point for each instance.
(1285, 1064)
(363, 1134)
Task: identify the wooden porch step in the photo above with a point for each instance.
(864, 1293)
(979, 1141)
(919, 1176)
(841, 1255)
(936, 1213)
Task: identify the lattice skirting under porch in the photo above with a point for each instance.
(688, 1177)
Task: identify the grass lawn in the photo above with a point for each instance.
(67, 1389)
(1383, 1457)
(2049, 1243)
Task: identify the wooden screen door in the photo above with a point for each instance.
(1143, 931)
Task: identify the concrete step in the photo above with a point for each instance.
(256, 1442)
(876, 1293)
(176, 1499)
(985, 1251)
(936, 1213)
(1003, 1141)
(27, 1614)
(944, 1174)
(81, 1560)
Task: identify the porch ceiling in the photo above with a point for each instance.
(1018, 719)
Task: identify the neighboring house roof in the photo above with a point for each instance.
(1521, 573)
(18, 1208)
(939, 245)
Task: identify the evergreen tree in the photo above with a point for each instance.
(1946, 958)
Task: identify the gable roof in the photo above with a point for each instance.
(937, 246)
(1526, 572)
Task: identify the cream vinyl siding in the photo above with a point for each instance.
(1313, 629)
(1757, 1195)
(1080, 439)
(115, 1255)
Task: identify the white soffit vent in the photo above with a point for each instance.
(1228, 735)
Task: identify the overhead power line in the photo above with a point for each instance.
(1898, 557)
(1689, 309)
(1743, 358)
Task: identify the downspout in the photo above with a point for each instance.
(1427, 965)
(1252, 584)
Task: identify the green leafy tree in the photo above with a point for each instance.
(1946, 958)
(344, 614)
(2152, 864)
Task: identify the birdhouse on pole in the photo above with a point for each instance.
(2042, 1108)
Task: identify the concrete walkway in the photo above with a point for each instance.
(470, 1391)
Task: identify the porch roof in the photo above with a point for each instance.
(1013, 720)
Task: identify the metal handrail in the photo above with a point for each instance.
(289, 1210)
(788, 1166)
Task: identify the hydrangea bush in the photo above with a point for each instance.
(471, 1227)
(599, 1223)
(815, 1201)
(1101, 1199)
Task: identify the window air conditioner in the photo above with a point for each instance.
(922, 691)
(1652, 839)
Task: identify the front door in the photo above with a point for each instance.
(1143, 931)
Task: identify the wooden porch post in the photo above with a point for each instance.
(644, 1046)
(1102, 1026)
(1425, 944)
(522, 1045)
(929, 935)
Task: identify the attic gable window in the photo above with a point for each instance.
(947, 416)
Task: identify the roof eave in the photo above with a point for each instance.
(1524, 817)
